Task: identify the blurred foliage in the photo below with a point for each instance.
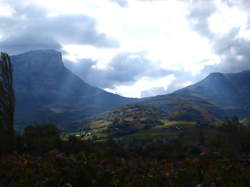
(41, 138)
(203, 155)
(87, 169)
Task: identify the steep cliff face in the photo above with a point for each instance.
(7, 99)
(46, 91)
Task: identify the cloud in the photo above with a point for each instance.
(124, 69)
(231, 48)
(244, 4)
(22, 43)
(199, 13)
(183, 36)
(31, 27)
(153, 91)
(235, 56)
(180, 79)
(133, 75)
(122, 3)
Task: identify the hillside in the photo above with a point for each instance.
(161, 117)
(228, 91)
(204, 103)
(46, 91)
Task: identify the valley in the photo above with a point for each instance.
(60, 97)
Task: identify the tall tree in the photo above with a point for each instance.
(7, 103)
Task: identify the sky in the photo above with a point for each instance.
(135, 48)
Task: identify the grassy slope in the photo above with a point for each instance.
(158, 117)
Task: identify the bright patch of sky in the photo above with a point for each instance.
(227, 18)
(159, 28)
(5, 10)
(144, 83)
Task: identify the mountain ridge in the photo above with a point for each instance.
(47, 91)
(223, 89)
(205, 103)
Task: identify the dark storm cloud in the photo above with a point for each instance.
(124, 69)
(31, 28)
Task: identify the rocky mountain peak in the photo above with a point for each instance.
(46, 91)
(39, 59)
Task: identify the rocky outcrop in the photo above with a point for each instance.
(7, 98)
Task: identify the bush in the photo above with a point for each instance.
(42, 138)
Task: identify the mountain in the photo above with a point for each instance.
(227, 90)
(46, 91)
(230, 91)
(207, 102)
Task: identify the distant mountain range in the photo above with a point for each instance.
(207, 102)
(46, 91)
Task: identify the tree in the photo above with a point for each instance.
(233, 139)
(7, 104)
(42, 138)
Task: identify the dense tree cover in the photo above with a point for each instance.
(202, 155)
(233, 139)
(85, 169)
(41, 138)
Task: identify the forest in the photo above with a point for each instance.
(41, 157)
